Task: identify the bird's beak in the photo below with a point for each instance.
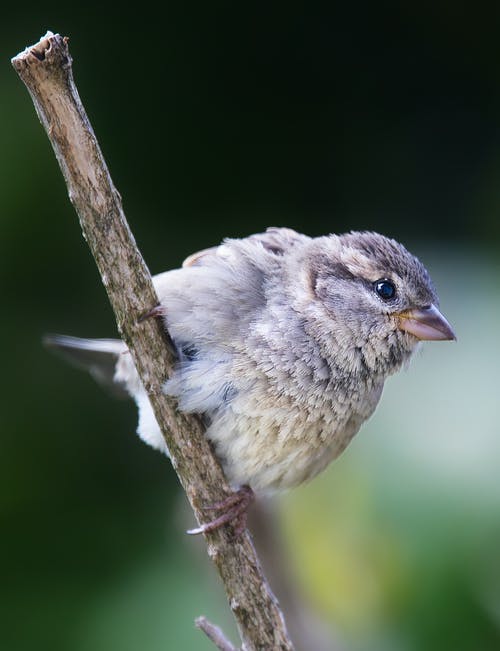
(426, 323)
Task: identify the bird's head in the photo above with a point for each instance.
(379, 297)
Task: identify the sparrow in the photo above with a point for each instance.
(284, 343)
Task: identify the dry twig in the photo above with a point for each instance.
(215, 634)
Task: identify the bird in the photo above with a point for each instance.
(283, 343)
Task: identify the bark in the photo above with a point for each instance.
(45, 69)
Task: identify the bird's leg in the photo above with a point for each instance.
(233, 510)
(154, 312)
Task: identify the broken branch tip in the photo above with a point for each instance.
(39, 50)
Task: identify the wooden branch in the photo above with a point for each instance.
(45, 68)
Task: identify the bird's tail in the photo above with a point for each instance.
(97, 356)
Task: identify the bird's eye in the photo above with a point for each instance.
(385, 289)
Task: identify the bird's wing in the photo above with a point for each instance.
(211, 306)
(97, 356)
(211, 301)
(274, 239)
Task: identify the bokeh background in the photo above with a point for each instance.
(220, 119)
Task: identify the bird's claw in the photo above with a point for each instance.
(154, 312)
(234, 510)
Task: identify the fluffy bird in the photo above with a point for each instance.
(284, 343)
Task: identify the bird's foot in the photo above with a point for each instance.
(154, 312)
(233, 510)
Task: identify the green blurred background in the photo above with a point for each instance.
(219, 119)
